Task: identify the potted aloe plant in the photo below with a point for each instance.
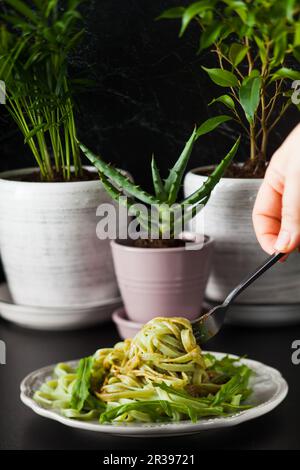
(49, 248)
(254, 43)
(161, 269)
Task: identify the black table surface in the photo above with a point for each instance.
(27, 350)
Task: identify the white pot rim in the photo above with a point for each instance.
(24, 171)
(198, 169)
(207, 242)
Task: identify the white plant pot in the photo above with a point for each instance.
(48, 243)
(228, 219)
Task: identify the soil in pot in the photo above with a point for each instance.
(155, 243)
(35, 177)
(250, 169)
(158, 243)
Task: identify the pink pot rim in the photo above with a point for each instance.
(119, 318)
(207, 242)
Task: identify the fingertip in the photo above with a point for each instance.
(283, 242)
(267, 242)
(287, 242)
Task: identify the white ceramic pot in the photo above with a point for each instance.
(48, 243)
(228, 219)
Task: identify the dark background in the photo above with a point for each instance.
(150, 91)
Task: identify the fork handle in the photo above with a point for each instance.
(256, 274)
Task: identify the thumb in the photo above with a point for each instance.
(289, 235)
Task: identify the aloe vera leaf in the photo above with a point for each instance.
(179, 224)
(173, 182)
(214, 178)
(118, 178)
(157, 182)
(116, 195)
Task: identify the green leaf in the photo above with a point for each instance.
(254, 73)
(75, 40)
(208, 186)
(118, 178)
(226, 31)
(22, 8)
(81, 388)
(192, 11)
(261, 49)
(172, 13)
(235, 386)
(243, 13)
(239, 7)
(130, 205)
(222, 77)
(157, 182)
(224, 99)
(250, 95)
(279, 50)
(210, 35)
(173, 182)
(17, 21)
(52, 4)
(285, 72)
(211, 124)
(237, 53)
(289, 8)
(40, 127)
(297, 34)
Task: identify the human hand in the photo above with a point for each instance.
(276, 213)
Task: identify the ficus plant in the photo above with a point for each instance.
(36, 38)
(170, 215)
(253, 42)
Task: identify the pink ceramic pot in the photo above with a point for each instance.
(164, 282)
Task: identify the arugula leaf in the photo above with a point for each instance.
(81, 388)
(227, 366)
(153, 408)
(195, 406)
(237, 385)
(93, 403)
(156, 409)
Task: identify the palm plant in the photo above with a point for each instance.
(253, 42)
(169, 216)
(36, 39)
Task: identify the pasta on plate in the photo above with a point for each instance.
(160, 375)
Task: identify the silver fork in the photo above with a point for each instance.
(207, 326)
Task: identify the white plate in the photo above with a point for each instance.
(269, 389)
(65, 318)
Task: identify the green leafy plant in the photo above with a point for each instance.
(253, 41)
(171, 216)
(36, 39)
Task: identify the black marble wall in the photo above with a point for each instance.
(150, 91)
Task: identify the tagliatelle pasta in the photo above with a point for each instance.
(159, 375)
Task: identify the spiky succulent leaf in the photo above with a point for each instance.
(118, 196)
(118, 178)
(157, 182)
(207, 187)
(179, 223)
(173, 182)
